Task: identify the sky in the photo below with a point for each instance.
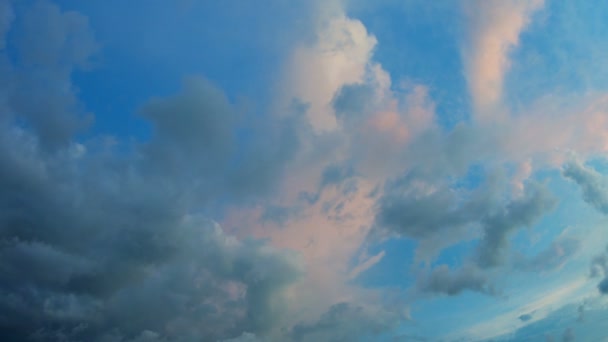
(303, 170)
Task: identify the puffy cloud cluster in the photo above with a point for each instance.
(105, 241)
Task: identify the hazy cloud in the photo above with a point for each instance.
(592, 184)
(348, 322)
(554, 256)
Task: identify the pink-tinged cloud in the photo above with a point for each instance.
(494, 28)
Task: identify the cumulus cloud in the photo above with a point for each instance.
(339, 55)
(419, 206)
(592, 184)
(106, 241)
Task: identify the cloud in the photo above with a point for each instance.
(348, 322)
(414, 207)
(568, 335)
(599, 268)
(105, 240)
(50, 45)
(101, 249)
(592, 184)
(525, 317)
(497, 227)
(554, 256)
(340, 55)
(493, 30)
(442, 280)
(423, 210)
(245, 337)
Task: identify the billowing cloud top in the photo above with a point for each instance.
(302, 171)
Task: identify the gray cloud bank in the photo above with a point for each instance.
(105, 241)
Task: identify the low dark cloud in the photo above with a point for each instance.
(592, 184)
(348, 322)
(106, 241)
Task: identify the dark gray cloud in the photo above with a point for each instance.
(410, 206)
(603, 286)
(106, 241)
(599, 268)
(525, 317)
(592, 184)
(103, 247)
(554, 256)
(347, 322)
(443, 280)
(498, 226)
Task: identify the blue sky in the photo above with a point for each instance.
(335, 170)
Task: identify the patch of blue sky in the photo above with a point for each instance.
(442, 316)
(393, 270)
(418, 43)
(474, 177)
(563, 51)
(599, 164)
(456, 255)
